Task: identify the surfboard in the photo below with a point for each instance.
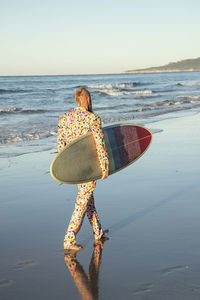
(78, 162)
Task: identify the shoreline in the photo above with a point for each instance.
(151, 208)
(46, 144)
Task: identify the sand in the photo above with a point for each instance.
(151, 209)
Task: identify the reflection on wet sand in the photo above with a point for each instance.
(86, 285)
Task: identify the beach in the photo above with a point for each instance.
(151, 210)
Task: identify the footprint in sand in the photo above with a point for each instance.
(173, 269)
(144, 288)
(195, 288)
(5, 282)
(24, 264)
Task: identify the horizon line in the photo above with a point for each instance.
(78, 74)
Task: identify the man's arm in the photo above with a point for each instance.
(61, 142)
(100, 145)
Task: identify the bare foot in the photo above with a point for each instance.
(72, 248)
(104, 235)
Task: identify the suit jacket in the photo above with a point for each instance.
(78, 122)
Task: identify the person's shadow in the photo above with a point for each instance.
(86, 285)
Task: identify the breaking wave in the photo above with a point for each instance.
(13, 91)
(190, 99)
(8, 110)
(26, 136)
(117, 93)
(192, 84)
(170, 105)
(114, 86)
(17, 110)
(119, 89)
(30, 106)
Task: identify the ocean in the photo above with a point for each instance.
(31, 105)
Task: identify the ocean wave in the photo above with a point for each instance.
(118, 93)
(146, 112)
(27, 136)
(33, 111)
(116, 108)
(8, 110)
(14, 91)
(192, 97)
(192, 84)
(119, 89)
(146, 115)
(17, 110)
(168, 105)
(127, 85)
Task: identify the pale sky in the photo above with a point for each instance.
(46, 37)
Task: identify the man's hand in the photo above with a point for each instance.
(105, 174)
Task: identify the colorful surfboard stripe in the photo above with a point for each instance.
(125, 144)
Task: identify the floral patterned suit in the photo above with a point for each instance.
(72, 125)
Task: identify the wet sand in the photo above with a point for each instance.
(151, 208)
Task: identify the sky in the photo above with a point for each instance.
(57, 37)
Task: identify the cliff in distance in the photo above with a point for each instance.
(186, 65)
